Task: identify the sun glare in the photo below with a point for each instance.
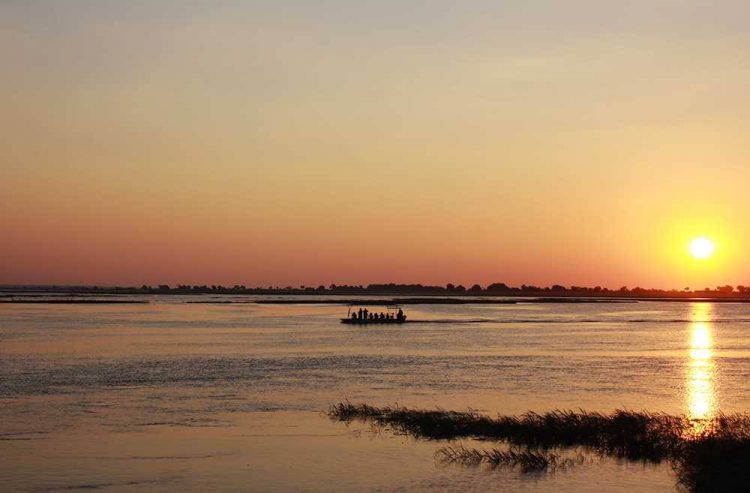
(701, 248)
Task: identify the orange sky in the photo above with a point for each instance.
(291, 142)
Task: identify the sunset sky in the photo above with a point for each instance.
(312, 142)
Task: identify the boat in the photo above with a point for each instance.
(355, 321)
(395, 316)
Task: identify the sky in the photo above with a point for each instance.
(328, 141)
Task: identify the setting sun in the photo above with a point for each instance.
(701, 248)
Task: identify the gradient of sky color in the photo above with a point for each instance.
(306, 142)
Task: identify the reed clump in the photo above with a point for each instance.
(712, 457)
(528, 461)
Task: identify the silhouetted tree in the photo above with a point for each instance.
(498, 287)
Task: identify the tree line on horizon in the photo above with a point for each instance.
(494, 289)
(497, 288)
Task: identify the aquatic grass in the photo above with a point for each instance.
(528, 461)
(710, 455)
(637, 435)
(717, 458)
(437, 424)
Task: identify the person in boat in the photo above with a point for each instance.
(354, 316)
(400, 315)
(382, 316)
(364, 314)
(360, 313)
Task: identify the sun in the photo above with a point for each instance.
(701, 248)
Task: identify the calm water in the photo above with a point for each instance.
(172, 395)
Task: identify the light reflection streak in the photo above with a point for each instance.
(701, 392)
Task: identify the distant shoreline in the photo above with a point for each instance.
(391, 293)
(78, 299)
(434, 301)
(492, 292)
(72, 302)
(518, 300)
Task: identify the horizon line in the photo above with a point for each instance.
(496, 287)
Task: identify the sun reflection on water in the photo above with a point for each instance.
(701, 392)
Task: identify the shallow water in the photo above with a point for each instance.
(230, 397)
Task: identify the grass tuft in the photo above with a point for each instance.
(528, 461)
